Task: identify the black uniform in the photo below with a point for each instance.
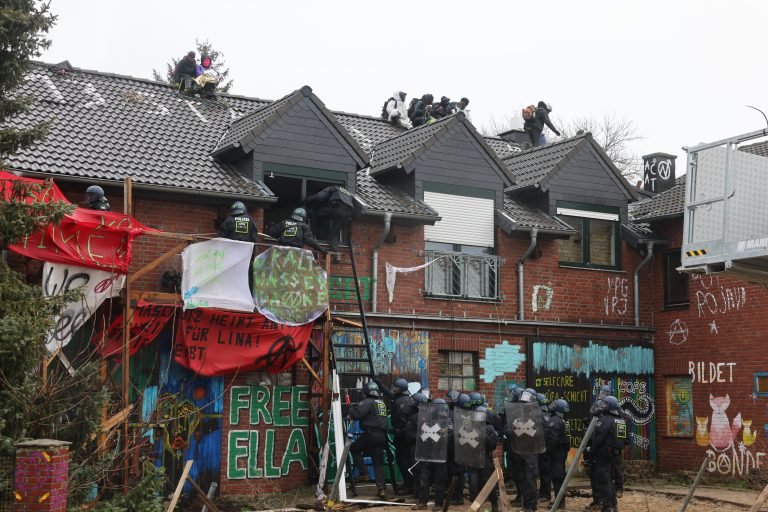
(333, 208)
(100, 205)
(372, 414)
(558, 444)
(184, 72)
(293, 233)
(478, 476)
(515, 471)
(411, 431)
(420, 112)
(609, 440)
(239, 227)
(455, 470)
(435, 474)
(402, 406)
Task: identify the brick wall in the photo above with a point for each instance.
(40, 479)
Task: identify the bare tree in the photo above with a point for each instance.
(615, 135)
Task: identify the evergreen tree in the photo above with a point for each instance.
(203, 48)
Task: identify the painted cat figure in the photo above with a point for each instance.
(702, 436)
(747, 435)
(721, 434)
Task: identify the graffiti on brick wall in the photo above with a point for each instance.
(541, 299)
(256, 453)
(704, 372)
(713, 298)
(616, 298)
(729, 441)
(679, 407)
(587, 359)
(678, 332)
(395, 352)
(343, 288)
(500, 359)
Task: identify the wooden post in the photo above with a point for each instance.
(574, 463)
(760, 500)
(127, 314)
(695, 484)
(449, 493)
(503, 500)
(203, 497)
(485, 492)
(180, 486)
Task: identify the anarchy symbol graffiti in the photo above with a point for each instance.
(664, 169)
(678, 332)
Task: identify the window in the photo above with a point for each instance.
(675, 283)
(596, 242)
(461, 271)
(458, 370)
(761, 384)
(679, 407)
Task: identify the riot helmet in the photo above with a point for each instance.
(464, 402)
(94, 193)
(559, 407)
(451, 397)
(605, 390)
(371, 389)
(476, 399)
(237, 208)
(299, 214)
(608, 405)
(420, 398)
(514, 394)
(427, 393)
(401, 386)
(441, 402)
(528, 395)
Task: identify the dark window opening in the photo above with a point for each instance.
(675, 283)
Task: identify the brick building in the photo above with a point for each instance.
(537, 275)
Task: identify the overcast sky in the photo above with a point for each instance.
(683, 71)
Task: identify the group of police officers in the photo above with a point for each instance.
(442, 439)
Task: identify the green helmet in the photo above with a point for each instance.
(238, 208)
(299, 214)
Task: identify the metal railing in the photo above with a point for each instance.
(6, 483)
(464, 276)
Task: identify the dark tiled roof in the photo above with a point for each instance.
(108, 127)
(385, 198)
(667, 204)
(391, 153)
(519, 216)
(503, 148)
(530, 167)
(368, 131)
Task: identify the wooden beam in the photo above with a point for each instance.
(171, 297)
(110, 423)
(203, 497)
(311, 371)
(180, 486)
(157, 262)
(485, 491)
(348, 322)
(503, 500)
(174, 236)
(760, 500)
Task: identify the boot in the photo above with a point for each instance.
(419, 506)
(381, 494)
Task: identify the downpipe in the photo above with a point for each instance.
(521, 274)
(636, 283)
(375, 261)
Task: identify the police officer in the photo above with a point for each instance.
(589, 455)
(545, 478)
(333, 207)
(435, 474)
(478, 476)
(295, 232)
(609, 439)
(530, 465)
(94, 196)
(455, 470)
(372, 414)
(515, 469)
(558, 444)
(402, 405)
(239, 225)
(411, 432)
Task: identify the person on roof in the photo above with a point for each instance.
(295, 232)
(394, 110)
(94, 196)
(419, 110)
(185, 71)
(239, 225)
(333, 209)
(461, 106)
(541, 118)
(207, 76)
(442, 109)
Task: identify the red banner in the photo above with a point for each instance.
(88, 238)
(216, 342)
(147, 323)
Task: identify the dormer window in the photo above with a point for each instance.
(596, 242)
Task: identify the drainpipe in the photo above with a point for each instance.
(520, 279)
(375, 263)
(648, 256)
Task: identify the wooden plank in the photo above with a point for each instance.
(310, 370)
(170, 297)
(485, 492)
(449, 493)
(110, 423)
(179, 486)
(347, 322)
(760, 500)
(157, 262)
(503, 500)
(203, 497)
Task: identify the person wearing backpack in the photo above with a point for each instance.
(393, 109)
(541, 118)
(419, 112)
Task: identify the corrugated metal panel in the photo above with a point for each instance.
(465, 220)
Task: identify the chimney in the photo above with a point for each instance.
(515, 136)
(658, 172)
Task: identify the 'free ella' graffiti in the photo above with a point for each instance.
(253, 454)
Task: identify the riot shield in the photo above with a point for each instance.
(432, 434)
(526, 428)
(469, 438)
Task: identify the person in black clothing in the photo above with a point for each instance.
(239, 225)
(333, 207)
(609, 439)
(442, 109)
(541, 118)
(558, 444)
(435, 474)
(421, 110)
(478, 476)
(94, 196)
(185, 71)
(372, 414)
(295, 232)
(402, 405)
(411, 431)
(455, 470)
(545, 478)
(589, 454)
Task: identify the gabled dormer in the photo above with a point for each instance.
(575, 181)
